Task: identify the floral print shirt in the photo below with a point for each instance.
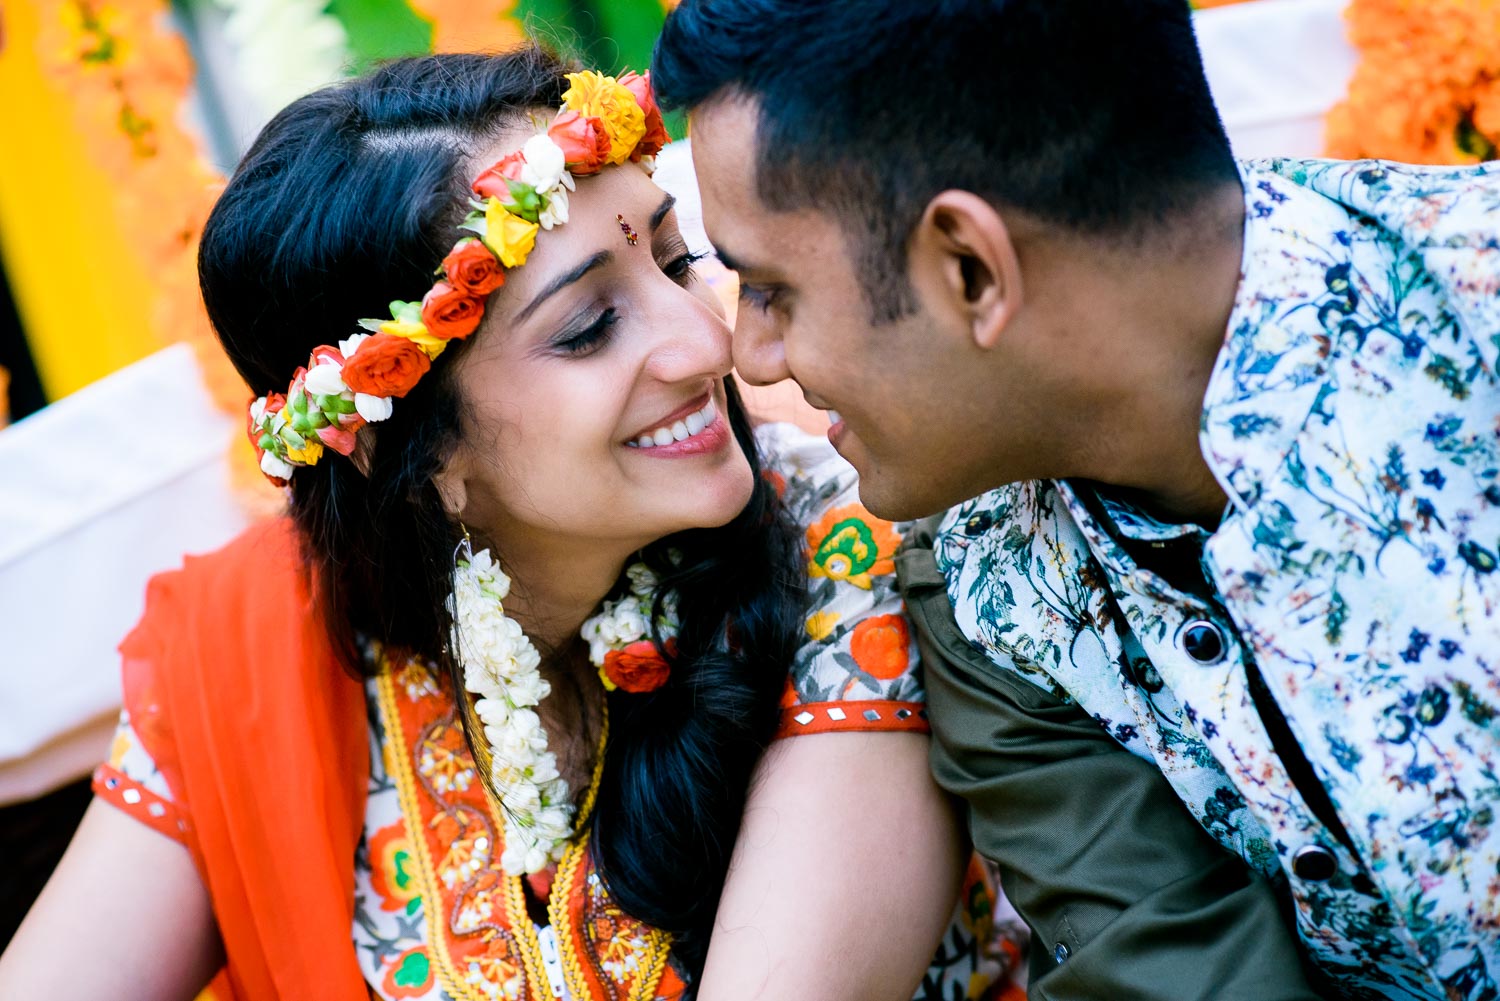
(437, 919)
(1351, 419)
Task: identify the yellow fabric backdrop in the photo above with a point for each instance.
(84, 298)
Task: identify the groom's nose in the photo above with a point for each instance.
(759, 351)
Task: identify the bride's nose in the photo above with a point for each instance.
(690, 341)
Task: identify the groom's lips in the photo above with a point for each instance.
(836, 428)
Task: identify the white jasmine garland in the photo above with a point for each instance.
(623, 622)
(501, 666)
(503, 669)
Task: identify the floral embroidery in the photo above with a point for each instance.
(409, 976)
(391, 869)
(850, 544)
(880, 646)
(1350, 419)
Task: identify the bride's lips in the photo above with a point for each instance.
(696, 429)
(680, 413)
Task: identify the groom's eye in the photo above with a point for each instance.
(759, 297)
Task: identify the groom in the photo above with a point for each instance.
(1212, 618)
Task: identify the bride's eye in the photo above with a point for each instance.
(591, 337)
(680, 268)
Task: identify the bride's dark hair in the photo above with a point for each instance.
(347, 200)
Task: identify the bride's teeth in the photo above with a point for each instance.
(679, 430)
(833, 417)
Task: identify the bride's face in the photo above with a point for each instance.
(595, 346)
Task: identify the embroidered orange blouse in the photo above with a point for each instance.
(217, 736)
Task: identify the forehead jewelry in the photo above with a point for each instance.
(630, 234)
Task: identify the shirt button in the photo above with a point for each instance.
(1060, 953)
(1314, 863)
(1202, 641)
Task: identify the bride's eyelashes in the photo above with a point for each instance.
(680, 268)
(591, 337)
(576, 343)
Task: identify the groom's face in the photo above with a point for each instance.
(803, 315)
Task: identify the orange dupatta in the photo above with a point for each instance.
(236, 693)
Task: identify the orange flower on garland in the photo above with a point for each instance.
(636, 668)
(852, 545)
(1427, 88)
(880, 646)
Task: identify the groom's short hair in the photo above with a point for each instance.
(1093, 115)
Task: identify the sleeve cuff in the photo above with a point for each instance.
(874, 716)
(121, 791)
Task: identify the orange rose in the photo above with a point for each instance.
(492, 183)
(448, 312)
(471, 268)
(385, 365)
(583, 140)
(656, 130)
(880, 646)
(637, 668)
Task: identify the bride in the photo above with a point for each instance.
(486, 713)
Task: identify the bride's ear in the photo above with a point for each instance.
(452, 487)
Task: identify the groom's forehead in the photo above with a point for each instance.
(723, 146)
(723, 136)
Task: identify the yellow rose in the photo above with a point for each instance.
(605, 98)
(416, 333)
(509, 236)
(308, 454)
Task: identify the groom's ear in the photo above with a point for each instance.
(962, 250)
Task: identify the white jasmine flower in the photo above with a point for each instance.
(556, 212)
(351, 344)
(372, 408)
(643, 581)
(325, 379)
(545, 162)
(273, 466)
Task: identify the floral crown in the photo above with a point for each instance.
(602, 121)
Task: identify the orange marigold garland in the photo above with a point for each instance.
(128, 75)
(1427, 88)
(471, 25)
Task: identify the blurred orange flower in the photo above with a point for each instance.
(1427, 88)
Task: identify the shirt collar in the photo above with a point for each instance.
(1294, 286)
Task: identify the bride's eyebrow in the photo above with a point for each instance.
(564, 280)
(661, 211)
